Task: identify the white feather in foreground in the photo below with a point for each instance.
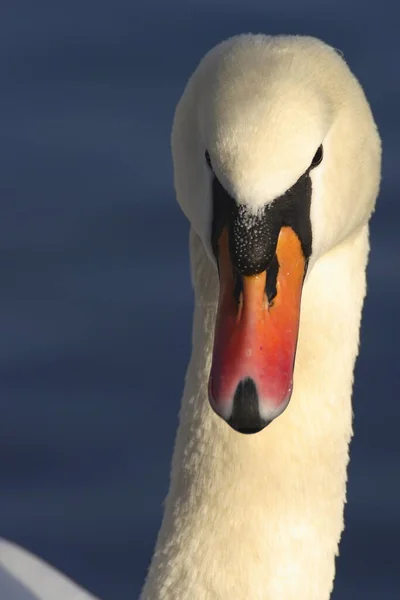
(26, 577)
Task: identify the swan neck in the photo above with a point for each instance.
(261, 516)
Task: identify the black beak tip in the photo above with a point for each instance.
(250, 430)
(245, 417)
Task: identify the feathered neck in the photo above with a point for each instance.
(261, 516)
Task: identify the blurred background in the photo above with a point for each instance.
(95, 302)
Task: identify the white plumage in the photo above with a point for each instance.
(260, 517)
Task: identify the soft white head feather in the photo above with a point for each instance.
(261, 106)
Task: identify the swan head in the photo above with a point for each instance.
(276, 162)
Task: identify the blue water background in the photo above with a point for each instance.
(95, 298)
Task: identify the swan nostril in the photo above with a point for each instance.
(272, 276)
(238, 289)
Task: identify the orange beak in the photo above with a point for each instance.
(255, 340)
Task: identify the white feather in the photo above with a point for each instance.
(26, 577)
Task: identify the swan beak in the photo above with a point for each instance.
(255, 338)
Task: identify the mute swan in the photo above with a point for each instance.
(277, 167)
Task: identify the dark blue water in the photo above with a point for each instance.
(95, 301)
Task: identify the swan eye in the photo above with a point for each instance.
(208, 159)
(318, 156)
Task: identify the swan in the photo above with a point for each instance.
(277, 168)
